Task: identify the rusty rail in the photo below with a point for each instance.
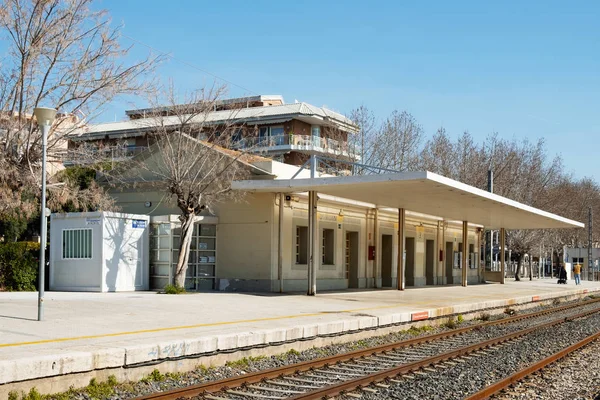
(256, 377)
(517, 376)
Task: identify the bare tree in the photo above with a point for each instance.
(191, 160)
(61, 54)
(363, 142)
(438, 155)
(397, 144)
(523, 171)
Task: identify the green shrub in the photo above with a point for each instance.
(154, 376)
(244, 362)
(32, 395)
(174, 289)
(19, 266)
(451, 324)
(101, 390)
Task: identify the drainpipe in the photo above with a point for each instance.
(280, 244)
(375, 241)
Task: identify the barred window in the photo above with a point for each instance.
(77, 244)
(328, 247)
(301, 245)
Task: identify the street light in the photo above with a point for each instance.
(45, 118)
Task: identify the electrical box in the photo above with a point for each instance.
(371, 253)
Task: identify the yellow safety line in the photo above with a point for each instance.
(174, 328)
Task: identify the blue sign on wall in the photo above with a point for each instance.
(139, 223)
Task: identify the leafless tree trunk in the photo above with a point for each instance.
(190, 159)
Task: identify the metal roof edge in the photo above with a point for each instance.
(500, 199)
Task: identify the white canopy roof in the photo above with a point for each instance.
(423, 192)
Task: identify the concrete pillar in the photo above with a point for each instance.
(313, 243)
(465, 252)
(280, 244)
(480, 270)
(502, 254)
(401, 228)
(443, 267)
(376, 269)
(439, 271)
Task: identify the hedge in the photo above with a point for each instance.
(19, 266)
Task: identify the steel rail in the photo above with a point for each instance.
(259, 376)
(358, 383)
(517, 376)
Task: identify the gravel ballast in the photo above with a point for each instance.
(466, 378)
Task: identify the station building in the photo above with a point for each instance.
(237, 247)
(263, 243)
(293, 231)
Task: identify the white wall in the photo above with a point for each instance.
(116, 245)
(75, 274)
(126, 253)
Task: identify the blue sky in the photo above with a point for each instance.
(522, 69)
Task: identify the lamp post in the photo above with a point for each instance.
(45, 118)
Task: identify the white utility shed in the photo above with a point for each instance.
(99, 252)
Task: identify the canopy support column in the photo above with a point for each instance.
(465, 252)
(376, 269)
(400, 269)
(502, 254)
(439, 266)
(280, 244)
(313, 243)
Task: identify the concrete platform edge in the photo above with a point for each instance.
(37, 367)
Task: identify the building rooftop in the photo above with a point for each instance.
(252, 115)
(249, 101)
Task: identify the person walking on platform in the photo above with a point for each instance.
(577, 273)
(562, 275)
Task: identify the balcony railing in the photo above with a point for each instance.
(87, 155)
(300, 142)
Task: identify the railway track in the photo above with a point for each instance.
(499, 386)
(368, 371)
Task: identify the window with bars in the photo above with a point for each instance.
(328, 247)
(76, 244)
(301, 245)
(347, 256)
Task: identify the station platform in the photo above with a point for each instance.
(84, 332)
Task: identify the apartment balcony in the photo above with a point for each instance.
(90, 155)
(273, 145)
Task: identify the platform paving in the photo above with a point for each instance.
(88, 331)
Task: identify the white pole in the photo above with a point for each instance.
(43, 226)
(45, 118)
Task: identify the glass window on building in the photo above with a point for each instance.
(263, 134)
(76, 244)
(316, 130)
(277, 135)
(165, 239)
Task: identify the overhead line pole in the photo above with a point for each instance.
(590, 261)
(491, 190)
